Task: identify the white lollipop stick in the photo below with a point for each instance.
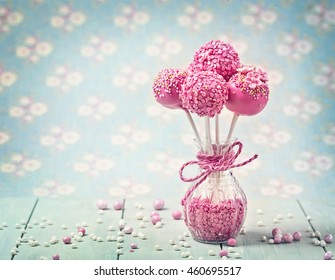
(195, 130)
(208, 135)
(217, 131)
(232, 126)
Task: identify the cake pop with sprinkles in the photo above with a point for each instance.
(204, 93)
(167, 87)
(218, 57)
(248, 91)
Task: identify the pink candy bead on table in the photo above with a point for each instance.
(328, 238)
(158, 204)
(288, 238)
(176, 215)
(155, 219)
(56, 257)
(82, 230)
(102, 204)
(231, 242)
(118, 205)
(328, 255)
(133, 246)
(223, 253)
(297, 236)
(67, 239)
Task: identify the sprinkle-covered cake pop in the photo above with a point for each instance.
(204, 93)
(248, 91)
(218, 57)
(167, 87)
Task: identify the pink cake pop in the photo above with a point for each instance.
(204, 93)
(216, 56)
(167, 87)
(248, 91)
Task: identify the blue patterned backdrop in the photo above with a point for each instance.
(78, 117)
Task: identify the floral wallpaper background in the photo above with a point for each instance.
(78, 116)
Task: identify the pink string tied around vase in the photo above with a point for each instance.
(213, 163)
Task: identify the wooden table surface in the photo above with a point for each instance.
(44, 218)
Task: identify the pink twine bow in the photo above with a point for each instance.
(213, 163)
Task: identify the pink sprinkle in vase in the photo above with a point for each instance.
(215, 209)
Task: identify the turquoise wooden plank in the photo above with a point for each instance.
(321, 217)
(49, 219)
(13, 211)
(281, 213)
(171, 230)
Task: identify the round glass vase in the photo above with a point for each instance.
(216, 209)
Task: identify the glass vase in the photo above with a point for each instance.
(215, 210)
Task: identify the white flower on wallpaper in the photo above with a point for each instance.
(160, 113)
(328, 138)
(270, 136)
(98, 48)
(249, 168)
(275, 76)
(130, 137)
(276, 187)
(313, 163)
(93, 164)
(54, 188)
(321, 17)
(194, 17)
(291, 45)
(4, 137)
(34, 49)
(7, 78)
(165, 163)
(59, 138)
(131, 18)
(9, 19)
(302, 108)
(325, 77)
(67, 18)
(129, 188)
(19, 165)
(96, 108)
(239, 45)
(258, 17)
(163, 48)
(130, 78)
(27, 109)
(64, 79)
